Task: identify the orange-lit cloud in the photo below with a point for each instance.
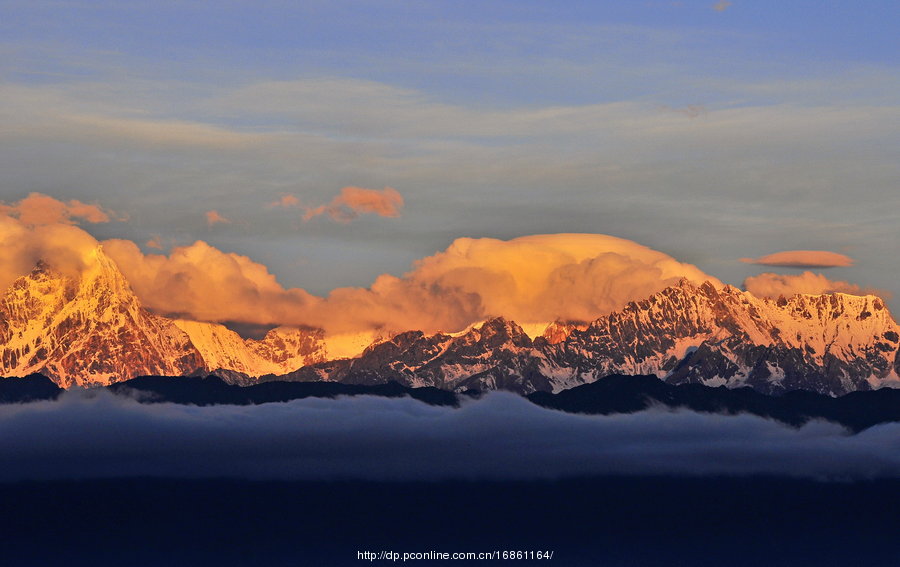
(204, 283)
(802, 259)
(544, 277)
(354, 201)
(38, 209)
(286, 201)
(721, 6)
(532, 279)
(155, 242)
(529, 279)
(213, 217)
(63, 245)
(774, 285)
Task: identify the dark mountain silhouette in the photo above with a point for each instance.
(628, 394)
(31, 388)
(610, 395)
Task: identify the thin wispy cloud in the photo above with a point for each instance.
(213, 218)
(563, 122)
(163, 133)
(155, 242)
(285, 201)
(349, 204)
(355, 201)
(691, 110)
(93, 114)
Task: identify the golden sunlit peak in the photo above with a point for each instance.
(96, 256)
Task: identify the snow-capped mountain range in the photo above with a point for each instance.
(831, 344)
(92, 330)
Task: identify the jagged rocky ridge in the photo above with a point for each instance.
(92, 330)
(831, 344)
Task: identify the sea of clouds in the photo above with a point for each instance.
(96, 434)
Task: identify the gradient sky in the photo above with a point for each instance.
(709, 131)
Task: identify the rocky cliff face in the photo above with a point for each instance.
(495, 355)
(832, 344)
(91, 329)
(282, 350)
(87, 330)
(558, 331)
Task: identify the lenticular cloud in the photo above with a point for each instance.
(501, 436)
(802, 259)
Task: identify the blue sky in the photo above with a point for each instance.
(709, 134)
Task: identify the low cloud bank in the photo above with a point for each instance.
(501, 436)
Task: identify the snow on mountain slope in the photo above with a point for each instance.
(713, 335)
(92, 330)
(558, 331)
(832, 344)
(291, 347)
(497, 354)
(282, 350)
(222, 348)
(88, 330)
(349, 345)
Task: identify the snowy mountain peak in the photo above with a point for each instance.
(558, 331)
(86, 328)
(41, 268)
(497, 332)
(832, 343)
(714, 335)
(89, 327)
